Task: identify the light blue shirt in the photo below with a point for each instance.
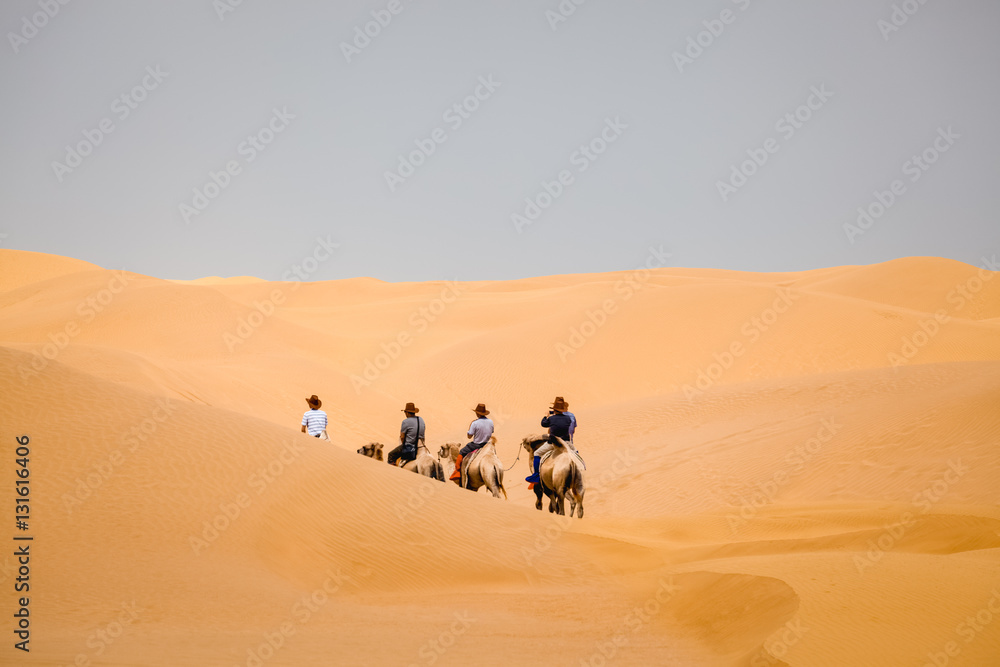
(481, 430)
(572, 426)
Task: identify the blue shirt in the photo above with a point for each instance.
(558, 425)
(572, 426)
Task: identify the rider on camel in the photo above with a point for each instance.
(411, 433)
(480, 431)
(560, 425)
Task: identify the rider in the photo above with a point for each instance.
(480, 431)
(560, 425)
(411, 433)
(572, 419)
(314, 419)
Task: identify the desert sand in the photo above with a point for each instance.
(783, 469)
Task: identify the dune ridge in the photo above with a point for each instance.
(783, 469)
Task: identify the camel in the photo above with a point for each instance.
(425, 464)
(484, 469)
(561, 474)
(372, 450)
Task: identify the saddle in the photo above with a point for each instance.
(547, 455)
(474, 456)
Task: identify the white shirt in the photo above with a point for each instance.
(481, 430)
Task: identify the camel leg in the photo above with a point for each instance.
(538, 497)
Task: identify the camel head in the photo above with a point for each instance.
(449, 451)
(372, 450)
(533, 442)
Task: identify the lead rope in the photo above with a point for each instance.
(519, 449)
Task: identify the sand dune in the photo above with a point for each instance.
(783, 469)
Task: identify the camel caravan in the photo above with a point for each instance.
(555, 466)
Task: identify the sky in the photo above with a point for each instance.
(413, 140)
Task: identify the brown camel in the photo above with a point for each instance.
(425, 464)
(484, 469)
(561, 475)
(372, 450)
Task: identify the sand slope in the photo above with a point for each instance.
(783, 468)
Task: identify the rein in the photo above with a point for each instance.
(519, 450)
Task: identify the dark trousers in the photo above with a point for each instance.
(397, 453)
(469, 448)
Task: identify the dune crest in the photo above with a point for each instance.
(783, 469)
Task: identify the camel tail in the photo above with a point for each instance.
(438, 471)
(575, 477)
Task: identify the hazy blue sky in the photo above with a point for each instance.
(331, 111)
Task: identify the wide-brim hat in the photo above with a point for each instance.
(481, 409)
(410, 407)
(314, 401)
(559, 404)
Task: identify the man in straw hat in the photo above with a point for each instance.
(560, 425)
(314, 419)
(480, 431)
(411, 433)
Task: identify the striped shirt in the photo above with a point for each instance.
(481, 430)
(314, 421)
